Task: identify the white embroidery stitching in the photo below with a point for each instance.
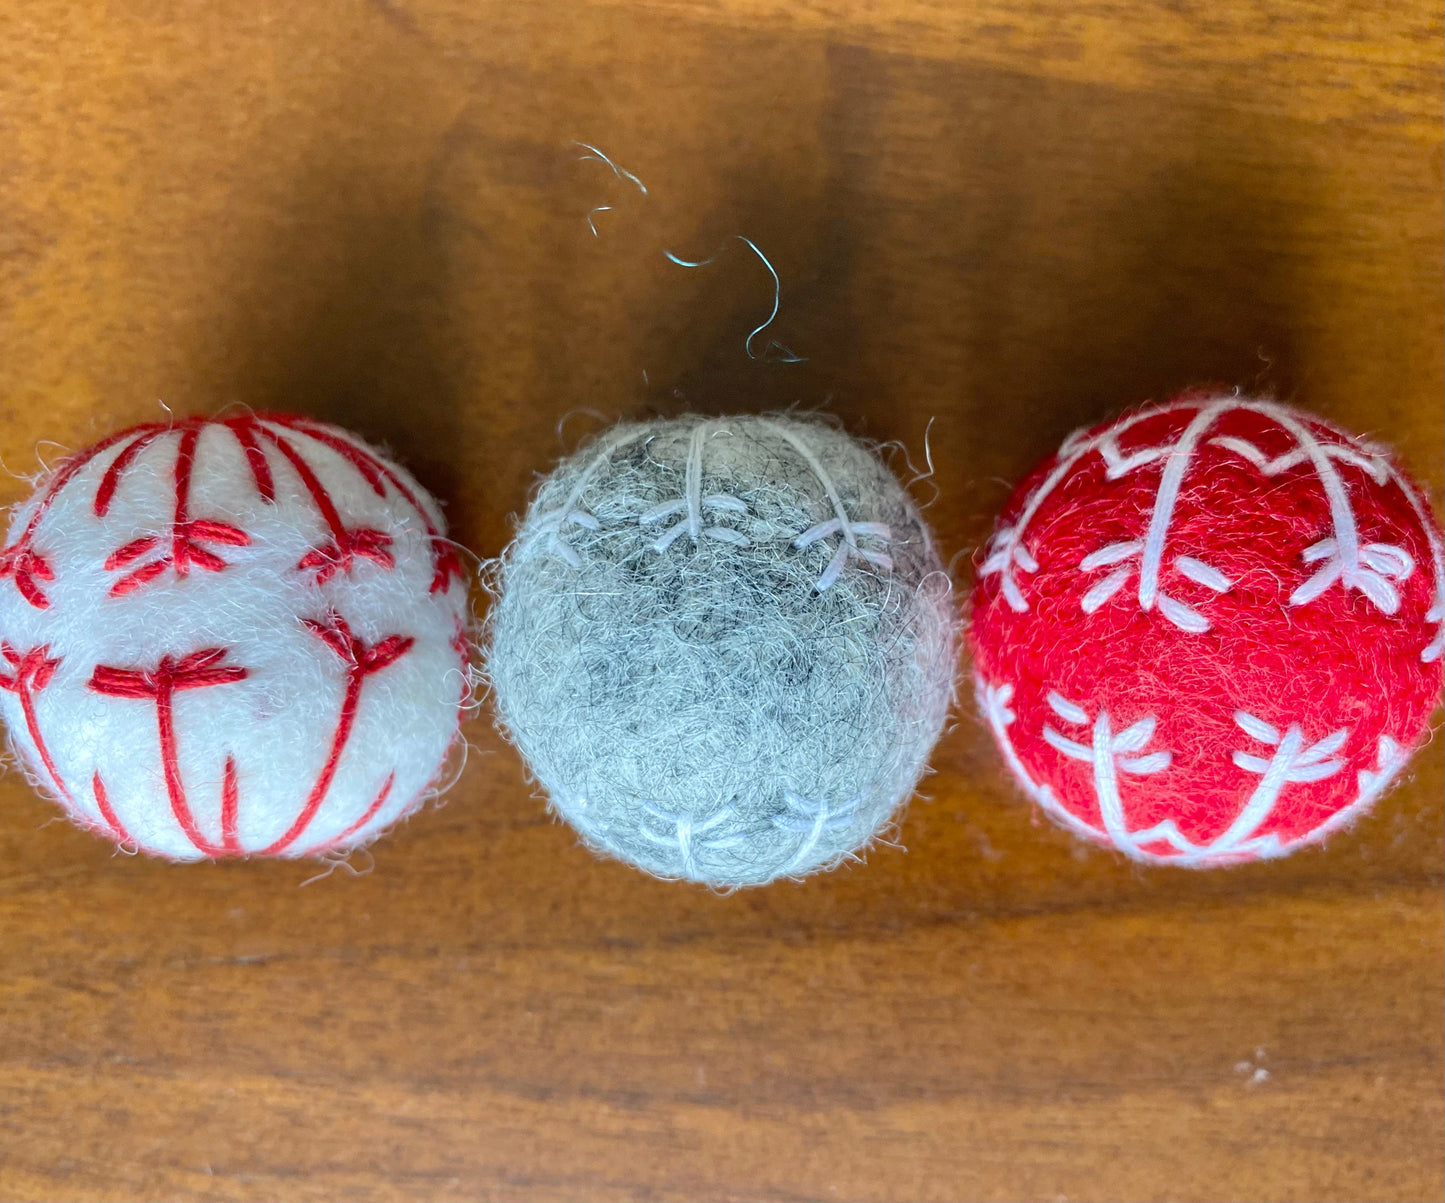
(839, 524)
(682, 833)
(1291, 762)
(1370, 569)
(810, 820)
(692, 504)
(553, 525)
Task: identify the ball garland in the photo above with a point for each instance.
(232, 637)
(1211, 631)
(725, 646)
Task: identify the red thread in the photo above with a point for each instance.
(1246, 620)
(187, 534)
(230, 809)
(361, 661)
(32, 673)
(365, 464)
(20, 560)
(366, 818)
(107, 812)
(448, 565)
(198, 670)
(339, 555)
(244, 428)
(144, 436)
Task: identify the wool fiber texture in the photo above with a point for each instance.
(1210, 632)
(232, 637)
(725, 646)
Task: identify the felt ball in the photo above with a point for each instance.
(232, 637)
(1210, 632)
(724, 645)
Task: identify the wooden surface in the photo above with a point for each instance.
(1008, 216)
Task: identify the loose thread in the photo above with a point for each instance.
(783, 354)
(594, 155)
(774, 352)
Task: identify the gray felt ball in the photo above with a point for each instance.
(724, 645)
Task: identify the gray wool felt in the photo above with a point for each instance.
(725, 646)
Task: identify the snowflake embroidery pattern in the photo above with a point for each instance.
(840, 525)
(160, 685)
(694, 514)
(193, 543)
(692, 506)
(1291, 759)
(810, 820)
(687, 837)
(1340, 559)
(29, 673)
(276, 452)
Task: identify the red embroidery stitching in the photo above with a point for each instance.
(27, 566)
(339, 555)
(376, 473)
(196, 671)
(187, 533)
(30, 569)
(361, 661)
(144, 437)
(107, 812)
(184, 548)
(32, 673)
(370, 813)
(230, 809)
(245, 429)
(20, 561)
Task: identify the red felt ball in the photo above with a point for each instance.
(1210, 631)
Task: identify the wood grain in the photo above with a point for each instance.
(1007, 218)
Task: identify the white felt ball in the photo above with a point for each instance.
(232, 637)
(725, 646)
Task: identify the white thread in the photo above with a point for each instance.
(722, 681)
(1066, 709)
(1256, 727)
(1108, 753)
(1291, 763)
(1165, 499)
(1155, 762)
(1106, 783)
(1186, 618)
(1103, 590)
(684, 835)
(1374, 464)
(1004, 556)
(994, 703)
(1119, 464)
(550, 526)
(1345, 565)
(1203, 574)
(1367, 570)
(1436, 614)
(1110, 554)
(838, 524)
(1390, 758)
(811, 820)
(692, 504)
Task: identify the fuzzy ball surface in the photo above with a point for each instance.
(231, 637)
(724, 645)
(1210, 632)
